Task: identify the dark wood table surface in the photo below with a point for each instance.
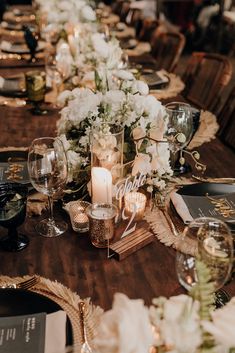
(70, 258)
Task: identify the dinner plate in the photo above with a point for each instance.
(14, 159)
(212, 189)
(16, 302)
(20, 48)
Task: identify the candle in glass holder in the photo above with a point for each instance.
(79, 219)
(101, 185)
(135, 203)
(102, 223)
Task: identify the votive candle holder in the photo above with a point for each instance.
(102, 223)
(135, 203)
(78, 216)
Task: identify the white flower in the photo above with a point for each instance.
(63, 97)
(88, 14)
(65, 142)
(180, 326)
(141, 164)
(124, 75)
(222, 325)
(141, 87)
(125, 328)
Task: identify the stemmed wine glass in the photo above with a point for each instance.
(47, 166)
(179, 127)
(13, 198)
(212, 242)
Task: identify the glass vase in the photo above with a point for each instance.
(106, 141)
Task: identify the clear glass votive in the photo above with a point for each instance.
(78, 216)
(102, 223)
(135, 202)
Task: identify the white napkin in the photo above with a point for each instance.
(5, 45)
(1, 82)
(55, 338)
(181, 207)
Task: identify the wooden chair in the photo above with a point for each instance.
(226, 120)
(205, 78)
(148, 27)
(167, 48)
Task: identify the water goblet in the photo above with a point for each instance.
(13, 198)
(179, 128)
(47, 166)
(212, 242)
(36, 89)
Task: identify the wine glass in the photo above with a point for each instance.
(179, 127)
(47, 166)
(13, 198)
(53, 76)
(209, 240)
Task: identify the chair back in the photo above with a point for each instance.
(167, 48)
(226, 120)
(148, 27)
(205, 78)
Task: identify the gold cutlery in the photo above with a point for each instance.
(169, 220)
(214, 180)
(26, 284)
(85, 345)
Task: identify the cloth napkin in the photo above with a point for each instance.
(181, 207)
(55, 338)
(5, 45)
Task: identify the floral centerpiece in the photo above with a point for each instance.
(141, 115)
(180, 324)
(62, 12)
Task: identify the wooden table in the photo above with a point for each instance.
(71, 259)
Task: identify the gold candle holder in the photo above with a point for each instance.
(135, 202)
(78, 217)
(102, 223)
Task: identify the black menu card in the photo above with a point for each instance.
(23, 334)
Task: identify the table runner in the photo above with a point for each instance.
(68, 301)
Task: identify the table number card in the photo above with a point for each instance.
(132, 233)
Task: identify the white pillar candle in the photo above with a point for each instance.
(101, 185)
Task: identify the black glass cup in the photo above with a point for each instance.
(13, 199)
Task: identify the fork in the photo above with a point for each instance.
(27, 284)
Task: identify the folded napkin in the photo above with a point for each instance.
(5, 45)
(181, 207)
(55, 338)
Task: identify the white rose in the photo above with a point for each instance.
(124, 75)
(141, 164)
(88, 14)
(142, 88)
(63, 97)
(125, 328)
(100, 46)
(180, 327)
(65, 142)
(222, 325)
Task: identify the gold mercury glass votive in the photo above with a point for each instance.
(78, 217)
(35, 85)
(135, 202)
(102, 223)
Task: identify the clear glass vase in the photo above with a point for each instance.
(106, 141)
